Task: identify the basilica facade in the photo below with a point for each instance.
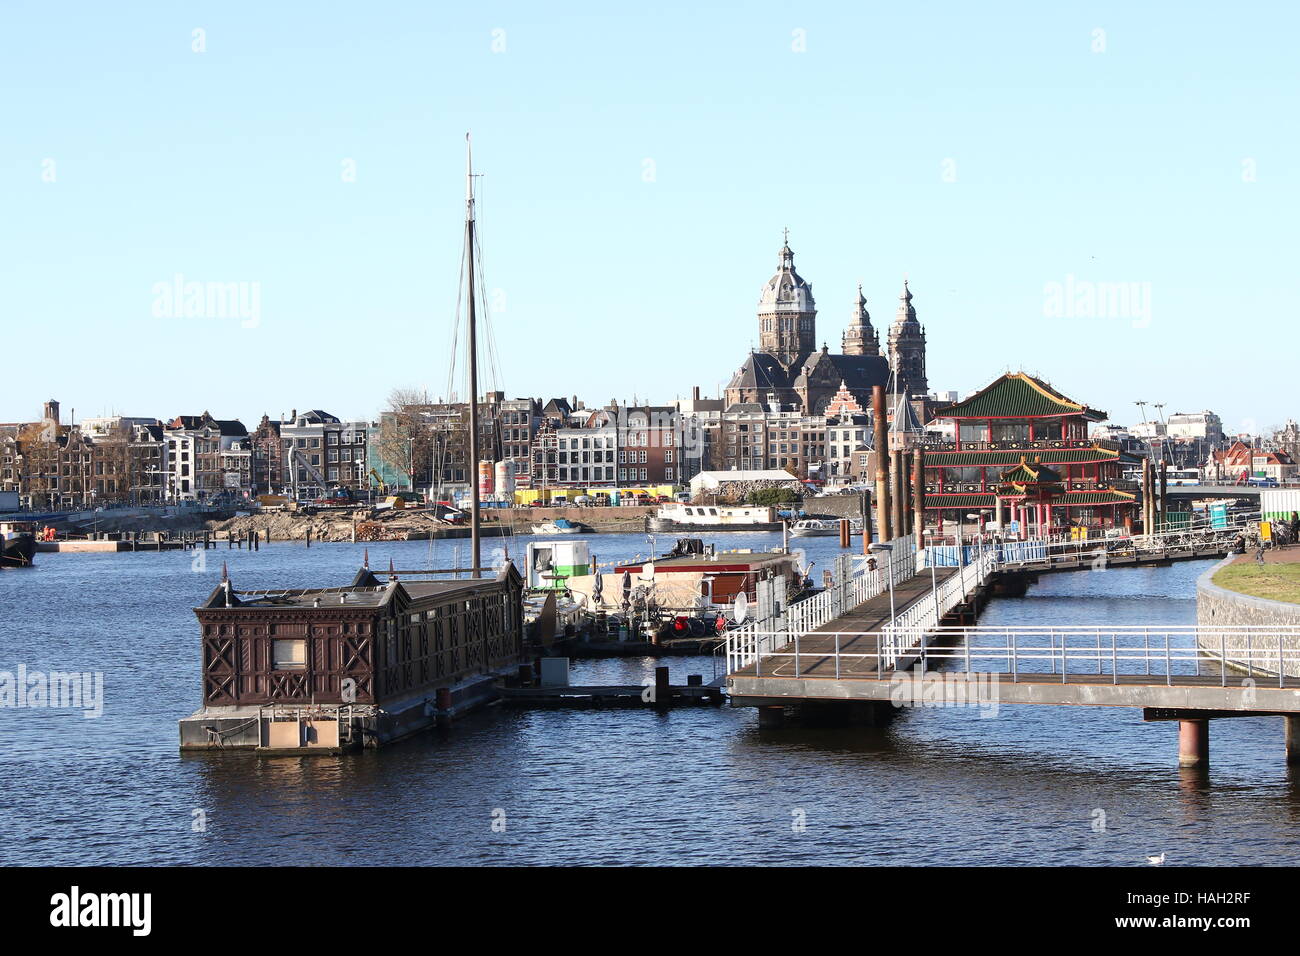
(788, 372)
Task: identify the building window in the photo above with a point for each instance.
(289, 655)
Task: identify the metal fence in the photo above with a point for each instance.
(850, 588)
(1169, 655)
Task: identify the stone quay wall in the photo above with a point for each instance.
(1220, 607)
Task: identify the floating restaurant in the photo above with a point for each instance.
(1022, 454)
(330, 669)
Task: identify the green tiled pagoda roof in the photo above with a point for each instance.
(989, 500)
(1050, 456)
(1032, 473)
(1017, 395)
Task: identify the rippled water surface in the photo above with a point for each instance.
(602, 787)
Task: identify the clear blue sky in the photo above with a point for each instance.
(226, 166)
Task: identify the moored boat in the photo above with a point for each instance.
(696, 519)
(561, 526)
(822, 527)
(17, 545)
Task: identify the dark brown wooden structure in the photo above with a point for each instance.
(396, 650)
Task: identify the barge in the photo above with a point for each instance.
(333, 669)
(17, 544)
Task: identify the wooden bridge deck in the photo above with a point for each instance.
(863, 624)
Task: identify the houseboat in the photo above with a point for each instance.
(717, 577)
(331, 669)
(698, 519)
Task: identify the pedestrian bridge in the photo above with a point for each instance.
(1170, 672)
(885, 636)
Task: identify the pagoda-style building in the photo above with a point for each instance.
(1022, 454)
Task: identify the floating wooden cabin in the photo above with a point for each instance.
(335, 668)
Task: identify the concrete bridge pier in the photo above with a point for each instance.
(1292, 739)
(1194, 742)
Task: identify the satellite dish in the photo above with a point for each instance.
(740, 610)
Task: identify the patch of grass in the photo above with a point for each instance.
(1277, 582)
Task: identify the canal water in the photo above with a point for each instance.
(1034, 785)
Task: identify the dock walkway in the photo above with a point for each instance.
(855, 632)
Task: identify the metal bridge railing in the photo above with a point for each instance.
(747, 644)
(1080, 653)
(907, 631)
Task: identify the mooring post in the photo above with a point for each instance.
(880, 441)
(1193, 743)
(661, 685)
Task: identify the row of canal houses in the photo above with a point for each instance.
(1017, 450)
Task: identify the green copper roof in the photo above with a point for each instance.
(989, 500)
(1017, 395)
(1030, 473)
(1049, 456)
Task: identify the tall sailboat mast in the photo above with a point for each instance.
(472, 348)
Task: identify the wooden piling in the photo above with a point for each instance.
(918, 495)
(880, 440)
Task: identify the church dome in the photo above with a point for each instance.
(786, 291)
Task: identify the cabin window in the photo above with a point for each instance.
(289, 655)
(713, 511)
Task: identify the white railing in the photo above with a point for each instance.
(746, 644)
(907, 631)
(1166, 654)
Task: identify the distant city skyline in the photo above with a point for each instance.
(1094, 194)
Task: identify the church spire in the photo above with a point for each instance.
(860, 338)
(906, 312)
(907, 347)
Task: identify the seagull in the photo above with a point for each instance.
(1156, 860)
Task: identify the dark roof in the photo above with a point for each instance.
(1017, 395)
(367, 590)
(762, 370)
(861, 371)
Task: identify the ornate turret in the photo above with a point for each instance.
(786, 312)
(860, 338)
(907, 348)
